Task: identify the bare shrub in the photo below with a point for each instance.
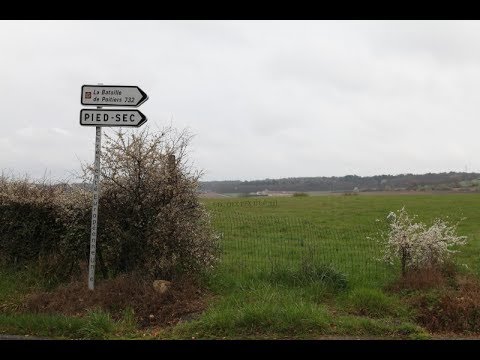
(450, 309)
(150, 217)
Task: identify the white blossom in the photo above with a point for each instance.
(416, 245)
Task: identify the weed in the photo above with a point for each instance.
(373, 303)
(99, 325)
(309, 273)
(264, 309)
(41, 325)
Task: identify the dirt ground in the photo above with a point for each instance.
(181, 301)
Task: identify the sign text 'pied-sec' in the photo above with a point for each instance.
(111, 117)
(113, 95)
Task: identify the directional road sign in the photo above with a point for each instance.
(112, 95)
(111, 117)
(107, 95)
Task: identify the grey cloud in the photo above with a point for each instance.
(264, 98)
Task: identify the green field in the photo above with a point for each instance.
(305, 267)
(265, 291)
(339, 230)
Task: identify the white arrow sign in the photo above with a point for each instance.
(112, 95)
(100, 117)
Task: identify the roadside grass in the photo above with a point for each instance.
(374, 303)
(15, 284)
(293, 305)
(262, 310)
(96, 325)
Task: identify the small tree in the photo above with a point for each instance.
(150, 217)
(416, 245)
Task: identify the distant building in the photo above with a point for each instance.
(267, 192)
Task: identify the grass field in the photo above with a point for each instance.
(332, 229)
(298, 268)
(265, 291)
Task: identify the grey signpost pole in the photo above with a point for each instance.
(96, 188)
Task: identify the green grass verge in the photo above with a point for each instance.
(262, 310)
(95, 325)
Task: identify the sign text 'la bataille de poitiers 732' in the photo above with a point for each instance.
(113, 95)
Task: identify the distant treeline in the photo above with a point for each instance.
(424, 182)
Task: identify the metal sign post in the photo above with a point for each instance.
(96, 188)
(106, 95)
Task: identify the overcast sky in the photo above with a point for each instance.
(265, 99)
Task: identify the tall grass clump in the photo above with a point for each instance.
(309, 273)
(374, 303)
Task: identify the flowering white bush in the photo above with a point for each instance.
(416, 245)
